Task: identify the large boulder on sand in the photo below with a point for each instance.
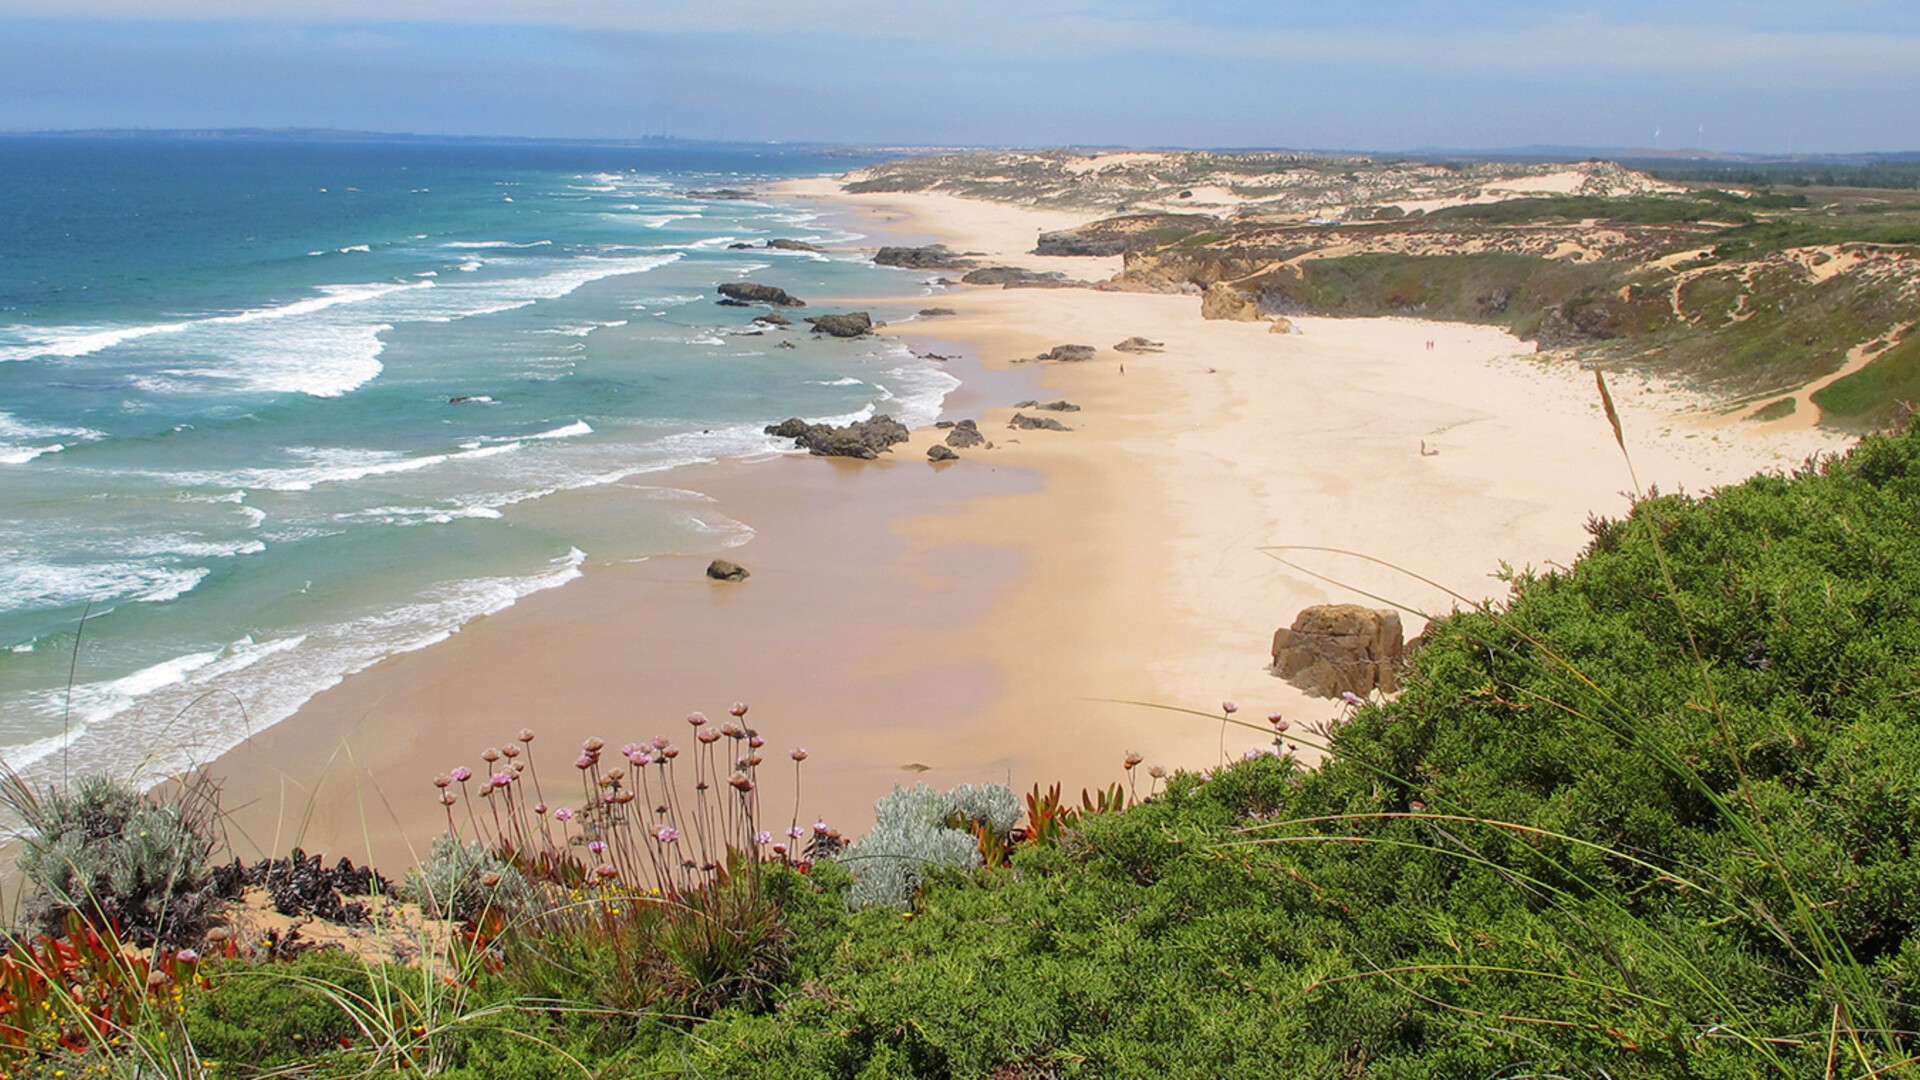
(964, 434)
(865, 439)
(1335, 648)
(1223, 301)
(722, 570)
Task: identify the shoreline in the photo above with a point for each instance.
(987, 619)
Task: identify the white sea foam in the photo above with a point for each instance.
(20, 455)
(577, 428)
(325, 465)
(469, 266)
(848, 381)
(75, 341)
(496, 244)
(30, 585)
(351, 249)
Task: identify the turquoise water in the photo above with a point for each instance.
(229, 434)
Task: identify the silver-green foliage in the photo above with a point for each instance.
(116, 858)
(464, 881)
(914, 830)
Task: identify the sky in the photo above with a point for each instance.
(1760, 76)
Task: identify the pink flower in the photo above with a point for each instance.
(820, 828)
(462, 774)
(526, 734)
(799, 753)
(442, 780)
(666, 835)
(696, 718)
(1229, 708)
(779, 849)
(1352, 698)
(606, 872)
(490, 754)
(756, 741)
(583, 762)
(187, 956)
(708, 735)
(502, 779)
(763, 838)
(796, 832)
(563, 814)
(597, 846)
(739, 708)
(540, 808)
(659, 742)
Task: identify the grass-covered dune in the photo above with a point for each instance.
(1653, 816)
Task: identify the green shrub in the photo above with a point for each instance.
(466, 882)
(124, 862)
(919, 829)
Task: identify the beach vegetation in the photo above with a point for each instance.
(133, 865)
(1650, 815)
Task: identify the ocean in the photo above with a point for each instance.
(271, 412)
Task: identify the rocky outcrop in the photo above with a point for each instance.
(1119, 235)
(1015, 277)
(1050, 406)
(865, 439)
(966, 433)
(1182, 269)
(773, 318)
(1223, 301)
(931, 257)
(935, 312)
(1281, 325)
(1340, 648)
(936, 452)
(1139, 345)
(1023, 422)
(852, 324)
(722, 570)
(1068, 353)
(748, 292)
(793, 245)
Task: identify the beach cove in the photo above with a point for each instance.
(996, 618)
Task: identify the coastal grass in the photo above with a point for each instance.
(1650, 816)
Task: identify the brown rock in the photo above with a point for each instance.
(964, 434)
(1281, 325)
(1335, 648)
(936, 452)
(1223, 301)
(722, 570)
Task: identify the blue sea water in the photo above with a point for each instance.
(271, 412)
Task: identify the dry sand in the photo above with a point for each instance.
(989, 619)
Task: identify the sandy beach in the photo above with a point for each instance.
(998, 618)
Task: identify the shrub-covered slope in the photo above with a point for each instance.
(1702, 744)
(1651, 817)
